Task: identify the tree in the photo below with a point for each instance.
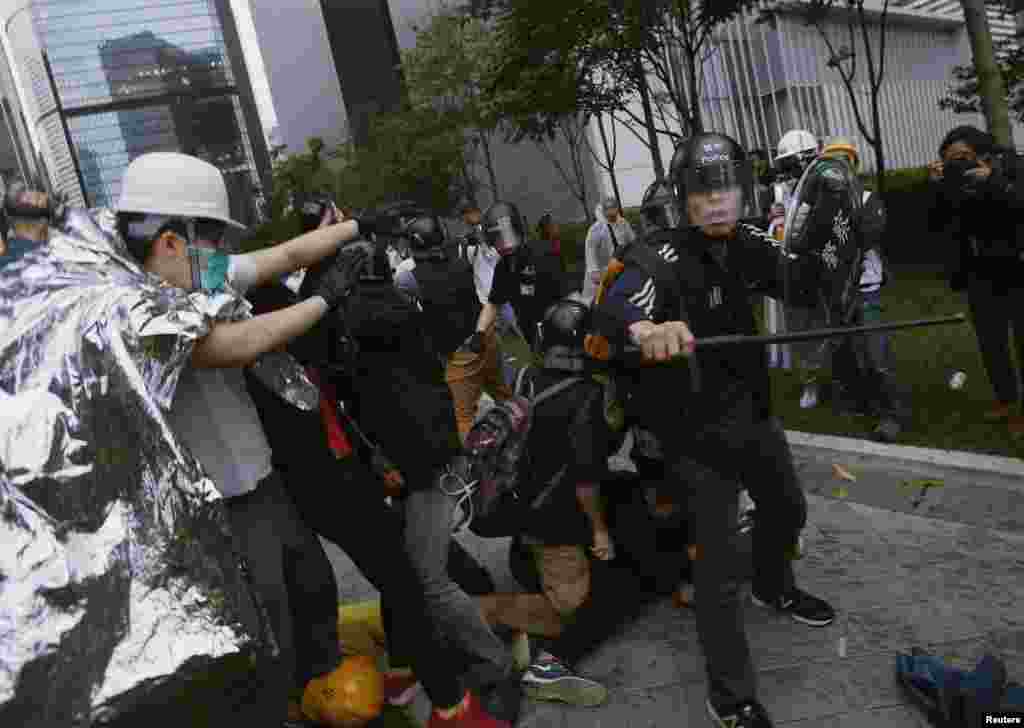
(639, 45)
(412, 154)
(447, 71)
(844, 59)
(991, 91)
(966, 94)
(299, 174)
(609, 152)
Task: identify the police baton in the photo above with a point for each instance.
(630, 354)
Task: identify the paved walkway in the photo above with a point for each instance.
(942, 570)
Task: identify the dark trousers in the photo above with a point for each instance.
(994, 309)
(292, 579)
(710, 461)
(371, 534)
(617, 594)
(615, 598)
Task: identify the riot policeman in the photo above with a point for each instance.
(718, 425)
(659, 209)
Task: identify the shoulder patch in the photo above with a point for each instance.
(668, 253)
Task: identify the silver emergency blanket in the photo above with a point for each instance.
(116, 563)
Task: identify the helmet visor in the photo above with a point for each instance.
(503, 235)
(720, 193)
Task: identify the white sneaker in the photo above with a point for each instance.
(620, 464)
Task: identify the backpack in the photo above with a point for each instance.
(598, 343)
(485, 476)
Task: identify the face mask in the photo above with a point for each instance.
(209, 268)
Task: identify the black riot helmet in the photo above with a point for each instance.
(426, 234)
(659, 209)
(714, 182)
(563, 326)
(504, 227)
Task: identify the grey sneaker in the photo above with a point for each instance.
(549, 679)
(749, 714)
(810, 397)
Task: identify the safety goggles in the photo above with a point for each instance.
(144, 228)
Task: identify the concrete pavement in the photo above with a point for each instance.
(940, 568)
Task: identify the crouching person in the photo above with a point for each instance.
(172, 214)
(560, 523)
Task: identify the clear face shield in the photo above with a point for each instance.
(719, 194)
(503, 236)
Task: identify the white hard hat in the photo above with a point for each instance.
(168, 183)
(797, 141)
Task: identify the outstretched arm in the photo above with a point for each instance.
(301, 252)
(235, 344)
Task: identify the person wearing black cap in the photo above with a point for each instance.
(442, 284)
(526, 276)
(978, 200)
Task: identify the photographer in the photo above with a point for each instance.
(977, 204)
(27, 212)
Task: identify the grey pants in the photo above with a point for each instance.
(428, 521)
(808, 355)
(292, 577)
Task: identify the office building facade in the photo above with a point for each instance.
(762, 79)
(112, 79)
(304, 86)
(17, 152)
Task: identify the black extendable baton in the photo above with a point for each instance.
(630, 354)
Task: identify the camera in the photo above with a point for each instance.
(312, 211)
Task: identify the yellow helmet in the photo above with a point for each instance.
(841, 145)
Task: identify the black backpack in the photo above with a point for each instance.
(486, 476)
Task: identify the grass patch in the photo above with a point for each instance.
(924, 359)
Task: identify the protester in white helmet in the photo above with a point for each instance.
(173, 214)
(868, 359)
(797, 149)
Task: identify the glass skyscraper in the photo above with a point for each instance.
(127, 77)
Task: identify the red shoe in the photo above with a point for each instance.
(400, 689)
(471, 715)
(999, 413)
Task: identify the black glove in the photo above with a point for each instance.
(387, 220)
(475, 343)
(336, 281)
